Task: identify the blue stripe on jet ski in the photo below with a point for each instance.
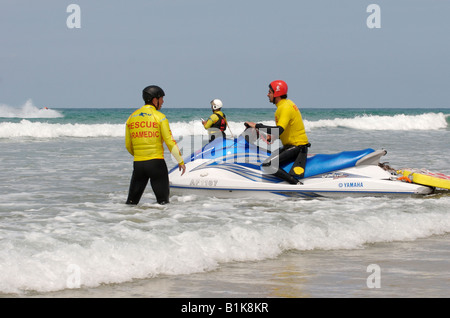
(315, 165)
(246, 173)
(239, 153)
(285, 193)
(289, 193)
(244, 165)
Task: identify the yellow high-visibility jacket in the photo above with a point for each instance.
(289, 117)
(145, 131)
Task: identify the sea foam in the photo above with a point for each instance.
(173, 241)
(427, 121)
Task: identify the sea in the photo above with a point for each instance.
(66, 232)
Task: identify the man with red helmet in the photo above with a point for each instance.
(291, 131)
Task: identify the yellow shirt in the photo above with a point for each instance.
(213, 119)
(289, 117)
(145, 131)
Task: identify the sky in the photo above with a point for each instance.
(105, 53)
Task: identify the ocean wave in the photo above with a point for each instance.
(152, 241)
(27, 128)
(427, 121)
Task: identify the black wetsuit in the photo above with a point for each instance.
(284, 155)
(156, 171)
(287, 153)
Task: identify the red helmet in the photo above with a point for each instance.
(279, 88)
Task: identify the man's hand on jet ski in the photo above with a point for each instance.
(264, 136)
(249, 124)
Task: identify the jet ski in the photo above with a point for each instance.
(230, 168)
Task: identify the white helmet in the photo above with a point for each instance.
(216, 104)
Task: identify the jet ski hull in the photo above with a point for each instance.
(232, 169)
(347, 182)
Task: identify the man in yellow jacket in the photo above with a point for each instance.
(146, 130)
(291, 131)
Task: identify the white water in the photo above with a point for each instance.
(428, 121)
(110, 244)
(28, 110)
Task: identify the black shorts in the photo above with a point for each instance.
(154, 170)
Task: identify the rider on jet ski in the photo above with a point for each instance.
(217, 122)
(291, 131)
